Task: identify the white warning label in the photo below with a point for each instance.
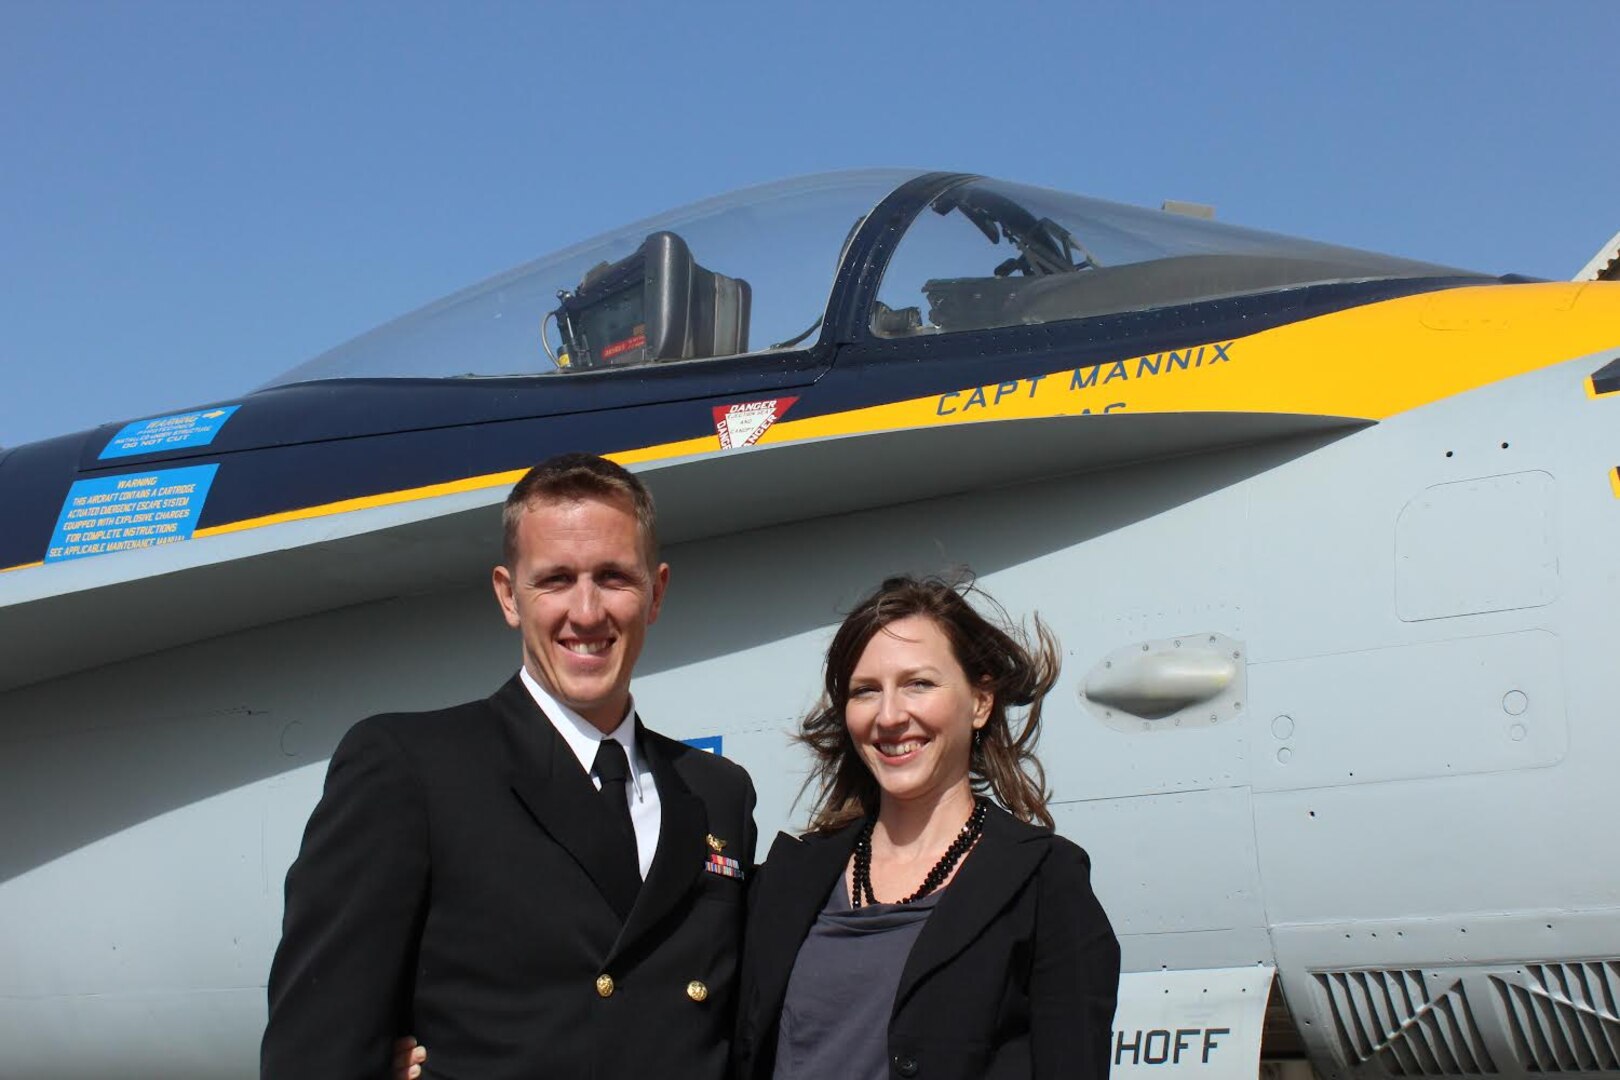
(742, 424)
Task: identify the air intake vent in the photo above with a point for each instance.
(1563, 1017)
(1391, 1018)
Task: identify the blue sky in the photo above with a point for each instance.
(195, 196)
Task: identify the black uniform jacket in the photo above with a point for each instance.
(1014, 974)
(453, 884)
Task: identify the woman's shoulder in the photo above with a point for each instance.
(1069, 857)
(1061, 853)
(790, 846)
(807, 851)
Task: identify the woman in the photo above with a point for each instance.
(965, 921)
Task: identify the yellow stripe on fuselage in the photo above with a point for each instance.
(366, 502)
(1366, 363)
(472, 483)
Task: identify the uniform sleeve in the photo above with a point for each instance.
(340, 983)
(1075, 971)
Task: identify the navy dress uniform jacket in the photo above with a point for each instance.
(1015, 973)
(454, 884)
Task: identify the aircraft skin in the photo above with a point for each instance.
(1389, 507)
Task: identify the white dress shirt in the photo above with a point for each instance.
(582, 738)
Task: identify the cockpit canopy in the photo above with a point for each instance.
(987, 253)
(752, 273)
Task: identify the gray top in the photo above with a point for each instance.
(846, 974)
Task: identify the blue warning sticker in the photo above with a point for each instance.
(136, 510)
(709, 743)
(168, 432)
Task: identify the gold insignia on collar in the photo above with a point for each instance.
(716, 844)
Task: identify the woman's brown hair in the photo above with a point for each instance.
(994, 653)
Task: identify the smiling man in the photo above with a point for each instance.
(534, 884)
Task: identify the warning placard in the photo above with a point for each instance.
(135, 510)
(742, 424)
(175, 432)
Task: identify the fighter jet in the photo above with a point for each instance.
(1328, 538)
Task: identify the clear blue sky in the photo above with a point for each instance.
(197, 195)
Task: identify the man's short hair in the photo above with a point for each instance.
(571, 477)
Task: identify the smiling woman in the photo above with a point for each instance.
(931, 888)
(931, 625)
(913, 714)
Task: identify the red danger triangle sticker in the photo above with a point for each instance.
(742, 424)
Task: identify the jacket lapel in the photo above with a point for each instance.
(992, 874)
(547, 779)
(793, 886)
(682, 848)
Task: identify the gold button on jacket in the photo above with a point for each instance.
(697, 991)
(604, 985)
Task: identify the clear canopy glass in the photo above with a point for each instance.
(751, 272)
(989, 253)
(782, 241)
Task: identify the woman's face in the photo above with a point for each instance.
(912, 711)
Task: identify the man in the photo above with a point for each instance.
(534, 884)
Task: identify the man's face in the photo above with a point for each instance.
(582, 594)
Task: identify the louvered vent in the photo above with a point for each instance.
(1563, 1017)
(1390, 1017)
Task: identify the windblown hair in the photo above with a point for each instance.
(994, 653)
(570, 477)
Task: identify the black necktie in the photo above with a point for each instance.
(612, 767)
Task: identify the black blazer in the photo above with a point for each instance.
(453, 884)
(1014, 974)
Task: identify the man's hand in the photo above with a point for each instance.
(408, 1058)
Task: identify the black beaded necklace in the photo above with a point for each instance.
(861, 891)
